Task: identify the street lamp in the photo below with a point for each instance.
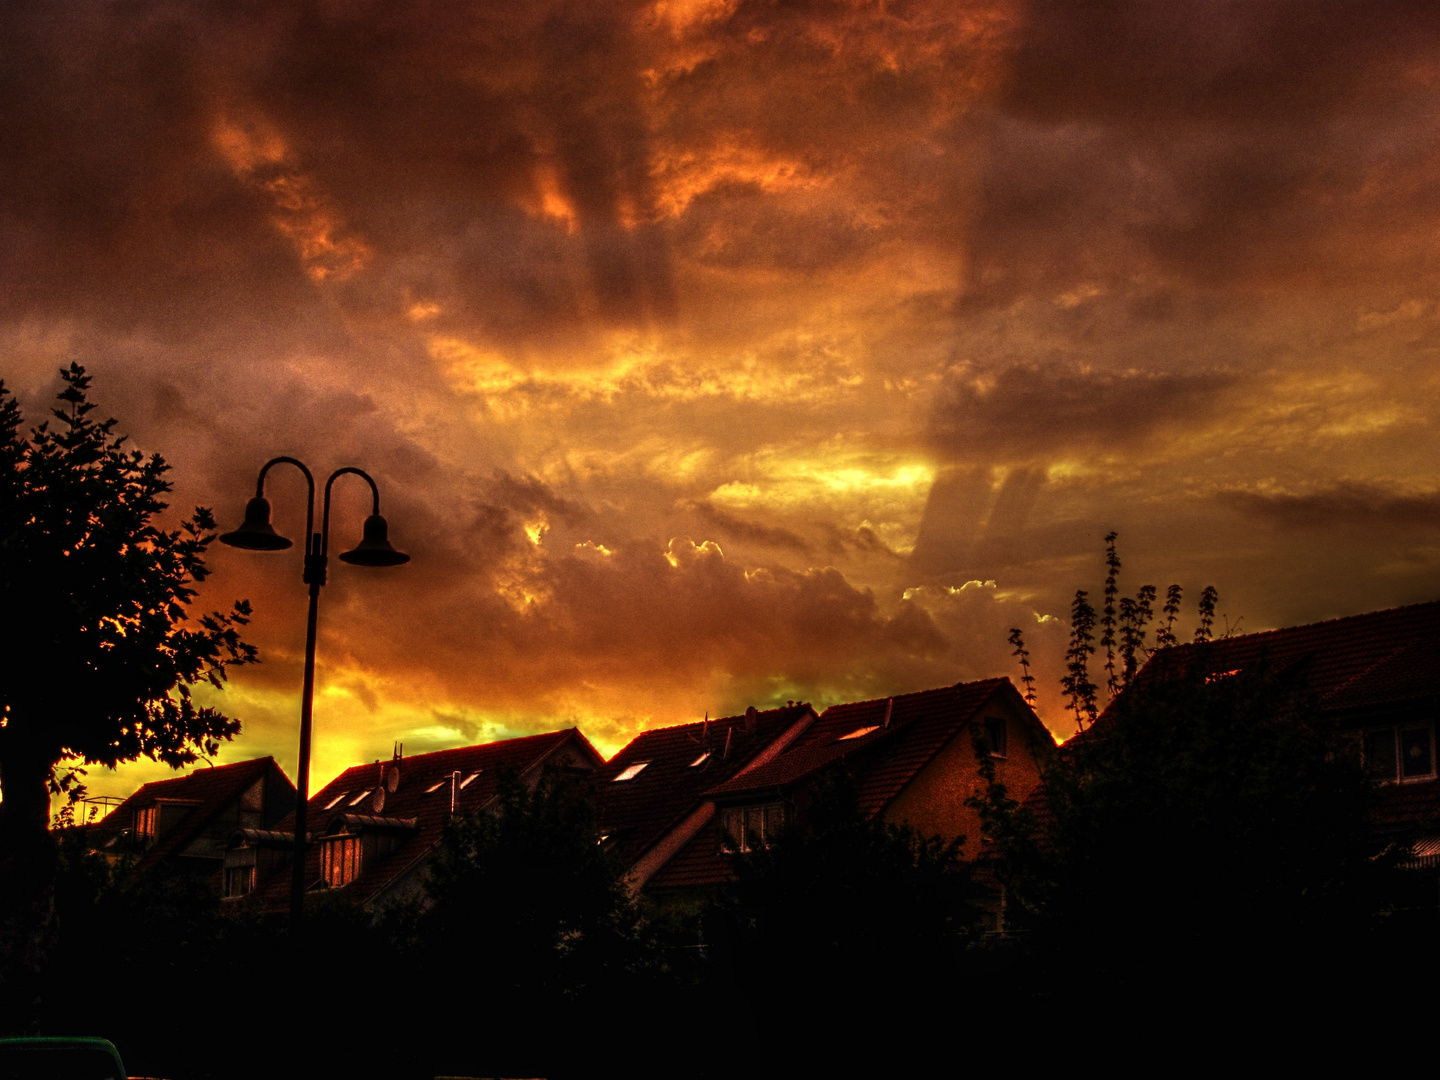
(257, 534)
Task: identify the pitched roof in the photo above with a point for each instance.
(683, 762)
(211, 789)
(919, 725)
(884, 759)
(1355, 663)
(419, 807)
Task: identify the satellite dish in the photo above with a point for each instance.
(392, 778)
(377, 800)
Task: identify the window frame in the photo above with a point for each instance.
(342, 869)
(147, 821)
(733, 844)
(997, 748)
(1395, 731)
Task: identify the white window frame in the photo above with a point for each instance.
(1395, 729)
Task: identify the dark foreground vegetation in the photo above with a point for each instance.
(1203, 866)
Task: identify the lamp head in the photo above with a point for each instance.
(256, 533)
(374, 549)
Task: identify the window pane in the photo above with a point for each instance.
(995, 735)
(1380, 753)
(774, 821)
(1415, 751)
(755, 825)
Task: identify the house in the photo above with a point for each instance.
(374, 827)
(912, 756)
(185, 823)
(1378, 676)
(650, 798)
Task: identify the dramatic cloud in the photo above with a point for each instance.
(711, 352)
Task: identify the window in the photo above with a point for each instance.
(995, 736)
(859, 733)
(436, 786)
(701, 759)
(1401, 754)
(747, 826)
(335, 801)
(340, 860)
(632, 771)
(239, 880)
(466, 782)
(146, 820)
(357, 800)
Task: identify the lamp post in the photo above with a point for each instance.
(257, 534)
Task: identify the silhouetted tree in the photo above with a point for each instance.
(1205, 821)
(1122, 621)
(1023, 655)
(845, 908)
(526, 899)
(98, 653)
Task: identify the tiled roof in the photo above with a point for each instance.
(920, 724)
(637, 813)
(1358, 666)
(884, 760)
(413, 799)
(1353, 664)
(210, 788)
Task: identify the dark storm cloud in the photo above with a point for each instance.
(1025, 412)
(1220, 144)
(1347, 505)
(751, 531)
(159, 157)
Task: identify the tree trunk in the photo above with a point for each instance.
(27, 887)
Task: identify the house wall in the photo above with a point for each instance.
(934, 801)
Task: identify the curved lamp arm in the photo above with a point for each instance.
(325, 526)
(309, 479)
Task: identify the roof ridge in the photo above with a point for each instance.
(962, 685)
(1316, 625)
(411, 758)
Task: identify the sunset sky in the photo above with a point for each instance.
(716, 353)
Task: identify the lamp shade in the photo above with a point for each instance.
(256, 533)
(374, 549)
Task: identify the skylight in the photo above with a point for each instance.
(466, 782)
(331, 804)
(701, 759)
(436, 786)
(358, 798)
(859, 733)
(632, 771)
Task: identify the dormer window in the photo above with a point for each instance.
(336, 800)
(146, 820)
(859, 733)
(239, 873)
(748, 826)
(340, 860)
(632, 771)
